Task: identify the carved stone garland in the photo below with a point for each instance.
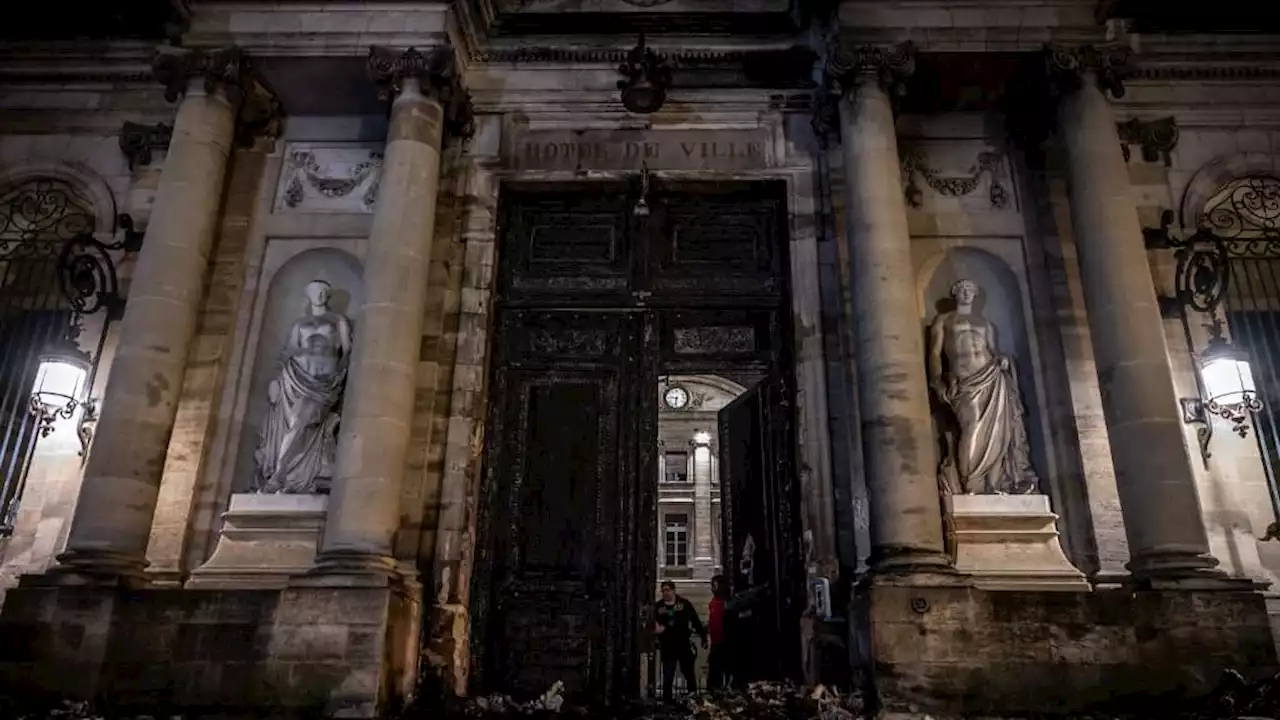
(305, 164)
(915, 165)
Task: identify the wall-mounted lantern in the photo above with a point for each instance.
(66, 373)
(1226, 385)
(1223, 373)
(647, 79)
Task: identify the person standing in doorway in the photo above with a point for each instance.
(675, 621)
(717, 656)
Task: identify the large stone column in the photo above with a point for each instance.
(112, 522)
(898, 443)
(702, 557)
(1158, 496)
(364, 507)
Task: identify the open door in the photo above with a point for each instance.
(761, 544)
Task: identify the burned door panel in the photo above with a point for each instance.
(556, 476)
(570, 247)
(761, 550)
(720, 241)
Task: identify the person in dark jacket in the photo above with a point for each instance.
(675, 621)
(717, 656)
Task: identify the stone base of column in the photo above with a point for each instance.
(350, 568)
(99, 568)
(913, 567)
(1181, 568)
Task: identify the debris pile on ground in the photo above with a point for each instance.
(758, 701)
(1235, 699)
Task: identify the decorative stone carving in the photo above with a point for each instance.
(297, 444)
(890, 65)
(228, 69)
(989, 454)
(330, 179)
(139, 141)
(1157, 138)
(991, 164)
(437, 74)
(1067, 66)
(646, 79)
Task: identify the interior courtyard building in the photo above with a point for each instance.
(354, 348)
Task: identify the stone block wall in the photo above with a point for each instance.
(325, 650)
(963, 650)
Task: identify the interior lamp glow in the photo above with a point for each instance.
(702, 437)
(59, 386)
(1227, 382)
(1228, 379)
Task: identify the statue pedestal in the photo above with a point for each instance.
(1010, 542)
(265, 540)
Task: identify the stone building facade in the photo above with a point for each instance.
(467, 180)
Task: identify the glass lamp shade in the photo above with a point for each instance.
(1228, 379)
(59, 381)
(702, 438)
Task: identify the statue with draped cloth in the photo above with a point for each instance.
(297, 444)
(987, 452)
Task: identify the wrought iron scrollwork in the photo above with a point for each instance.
(1240, 222)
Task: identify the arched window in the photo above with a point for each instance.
(1245, 215)
(37, 218)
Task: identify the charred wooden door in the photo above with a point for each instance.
(557, 483)
(592, 300)
(761, 549)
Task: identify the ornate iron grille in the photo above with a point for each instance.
(1238, 269)
(38, 221)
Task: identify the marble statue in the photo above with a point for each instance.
(989, 454)
(298, 444)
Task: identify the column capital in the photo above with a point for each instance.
(436, 71)
(849, 63)
(229, 70)
(1067, 67)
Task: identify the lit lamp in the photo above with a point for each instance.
(1226, 385)
(702, 438)
(60, 385)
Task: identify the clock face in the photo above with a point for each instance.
(677, 398)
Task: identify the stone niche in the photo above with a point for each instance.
(264, 540)
(1001, 303)
(283, 303)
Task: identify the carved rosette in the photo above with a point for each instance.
(438, 77)
(848, 64)
(1067, 67)
(226, 69)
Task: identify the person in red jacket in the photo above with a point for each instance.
(717, 660)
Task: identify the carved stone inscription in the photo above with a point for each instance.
(632, 149)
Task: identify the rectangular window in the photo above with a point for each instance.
(677, 540)
(676, 467)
